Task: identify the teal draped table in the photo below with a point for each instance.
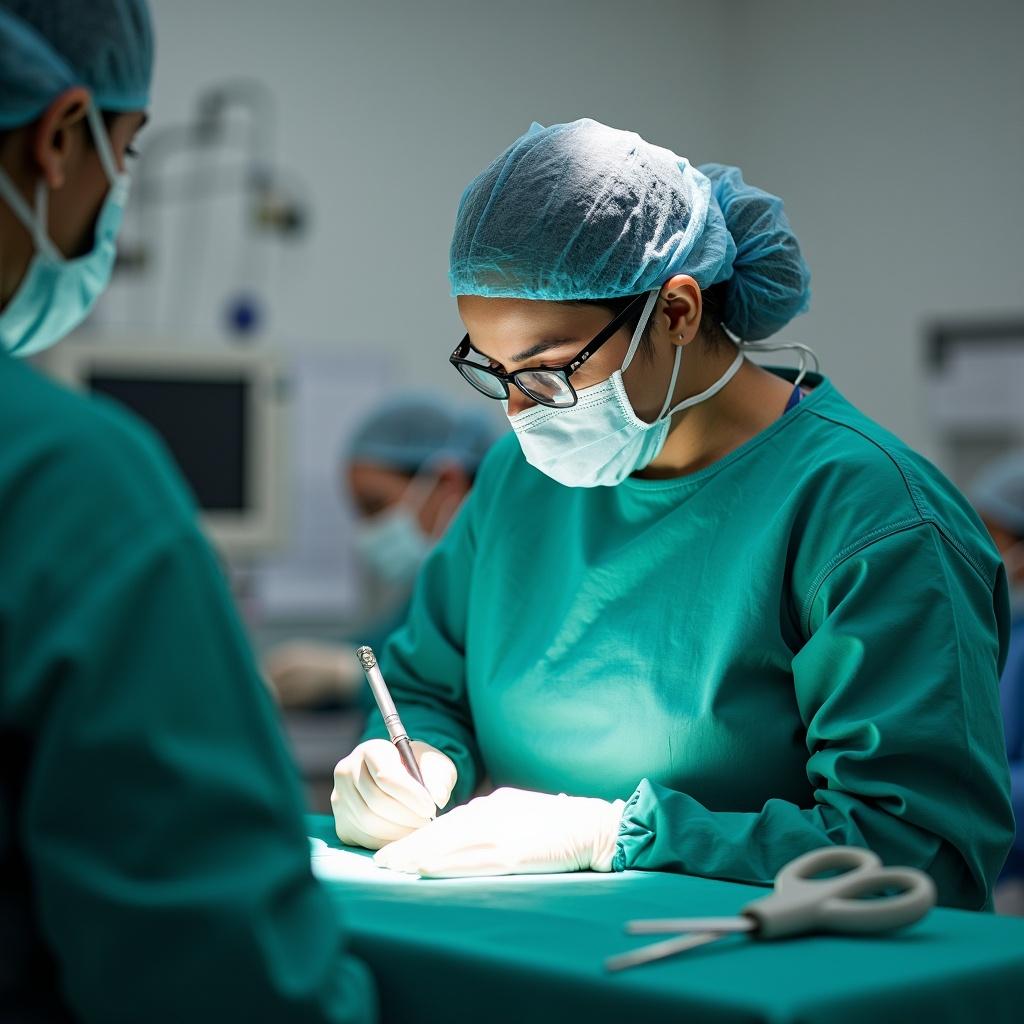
(531, 952)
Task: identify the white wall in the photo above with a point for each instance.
(893, 131)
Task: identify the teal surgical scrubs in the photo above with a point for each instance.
(796, 646)
(153, 862)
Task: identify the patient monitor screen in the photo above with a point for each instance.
(203, 422)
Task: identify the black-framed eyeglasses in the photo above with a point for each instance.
(545, 385)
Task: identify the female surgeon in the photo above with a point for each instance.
(153, 861)
(696, 615)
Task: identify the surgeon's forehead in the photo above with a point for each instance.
(529, 318)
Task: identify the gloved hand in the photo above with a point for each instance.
(376, 801)
(511, 832)
(303, 673)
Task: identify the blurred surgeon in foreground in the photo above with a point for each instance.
(153, 861)
(407, 469)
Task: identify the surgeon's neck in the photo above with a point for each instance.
(703, 434)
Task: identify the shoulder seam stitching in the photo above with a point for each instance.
(881, 533)
(923, 510)
(915, 496)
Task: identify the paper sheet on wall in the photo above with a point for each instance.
(980, 387)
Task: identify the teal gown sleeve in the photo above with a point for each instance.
(161, 813)
(424, 662)
(897, 686)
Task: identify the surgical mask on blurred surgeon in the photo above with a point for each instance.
(56, 293)
(392, 545)
(600, 440)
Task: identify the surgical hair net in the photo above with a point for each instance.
(48, 46)
(582, 211)
(998, 492)
(409, 432)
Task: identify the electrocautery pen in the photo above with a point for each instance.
(399, 737)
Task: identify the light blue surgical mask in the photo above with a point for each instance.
(392, 546)
(57, 293)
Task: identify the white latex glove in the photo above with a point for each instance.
(303, 672)
(511, 832)
(376, 801)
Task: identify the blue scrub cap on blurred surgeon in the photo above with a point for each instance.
(48, 46)
(582, 211)
(998, 492)
(408, 432)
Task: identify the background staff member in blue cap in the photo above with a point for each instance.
(153, 863)
(407, 470)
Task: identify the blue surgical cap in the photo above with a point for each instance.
(582, 211)
(409, 432)
(998, 492)
(48, 46)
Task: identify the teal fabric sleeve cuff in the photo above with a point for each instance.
(636, 829)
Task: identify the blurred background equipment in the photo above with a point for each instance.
(225, 151)
(219, 413)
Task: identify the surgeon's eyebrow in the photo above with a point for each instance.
(540, 348)
(530, 353)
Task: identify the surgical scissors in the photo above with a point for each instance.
(803, 902)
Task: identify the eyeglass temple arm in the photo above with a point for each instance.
(581, 357)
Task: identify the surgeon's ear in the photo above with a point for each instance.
(679, 309)
(60, 136)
